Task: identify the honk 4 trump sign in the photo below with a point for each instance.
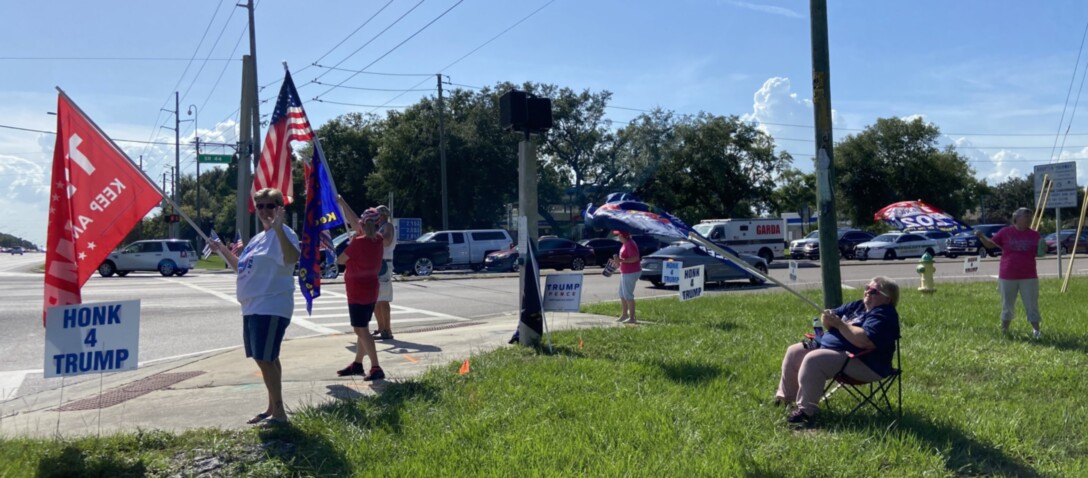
(92, 338)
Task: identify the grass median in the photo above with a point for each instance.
(686, 393)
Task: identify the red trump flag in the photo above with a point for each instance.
(96, 197)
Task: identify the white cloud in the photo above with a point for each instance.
(773, 10)
(993, 168)
(24, 193)
(788, 118)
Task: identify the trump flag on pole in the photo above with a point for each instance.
(96, 196)
(321, 214)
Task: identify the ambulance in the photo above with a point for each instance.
(765, 238)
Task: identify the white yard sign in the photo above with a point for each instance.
(670, 272)
(92, 338)
(793, 271)
(691, 283)
(970, 264)
(562, 292)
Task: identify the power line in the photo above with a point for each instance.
(380, 10)
(372, 72)
(474, 50)
(356, 104)
(368, 42)
(376, 89)
(398, 45)
(101, 58)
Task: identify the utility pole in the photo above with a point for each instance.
(825, 171)
(442, 153)
(249, 149)
(174, 227)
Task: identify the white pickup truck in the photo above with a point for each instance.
(468, 248)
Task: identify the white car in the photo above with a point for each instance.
(941, 237)
(168, 256)
(895, 245)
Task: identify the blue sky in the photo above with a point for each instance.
(993, 75)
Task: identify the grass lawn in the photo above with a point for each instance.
(684, 395)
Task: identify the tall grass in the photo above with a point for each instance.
(684, 394)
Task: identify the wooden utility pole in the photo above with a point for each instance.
(825, 170)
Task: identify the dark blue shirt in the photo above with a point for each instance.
(881, 326)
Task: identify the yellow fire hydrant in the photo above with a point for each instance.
(926, 269)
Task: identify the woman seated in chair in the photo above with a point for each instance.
(869, 325)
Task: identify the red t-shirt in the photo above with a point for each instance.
(361, 271)
(1018, 250)
(627, 251)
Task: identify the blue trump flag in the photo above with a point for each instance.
(322, 214)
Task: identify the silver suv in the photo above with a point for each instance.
(168, 256)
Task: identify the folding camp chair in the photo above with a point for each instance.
(871, 393)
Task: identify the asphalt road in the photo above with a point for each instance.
(197, 313)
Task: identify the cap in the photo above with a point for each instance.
(370, 215)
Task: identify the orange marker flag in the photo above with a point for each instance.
(464, 368)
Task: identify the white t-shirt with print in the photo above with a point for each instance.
(266, 285)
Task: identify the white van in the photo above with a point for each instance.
(765, 238)
(468, 248)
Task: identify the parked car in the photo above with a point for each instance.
(168, 256)
(468, 248)
(895, 245)
(647, 244)
(966, 243)
(552, 253)
(809, 247)
(941, 237)
(1068, 237)
(17, 250)
(603, 248)
(409, 257)
(690, 256)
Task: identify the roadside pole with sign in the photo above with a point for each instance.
(1063, 193)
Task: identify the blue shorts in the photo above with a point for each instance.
(262, 336)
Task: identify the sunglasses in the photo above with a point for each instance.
(267, 205)
(873, 290)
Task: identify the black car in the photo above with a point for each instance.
(691, 256)
(809, 247)
(966, 243)
(552, 253)
(603, 248)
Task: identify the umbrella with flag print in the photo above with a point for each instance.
(917, 215)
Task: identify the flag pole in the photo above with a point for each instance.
(147, 178)
(693, 237)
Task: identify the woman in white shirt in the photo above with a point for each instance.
(266, 290)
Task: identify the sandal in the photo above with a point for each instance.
(258, 418)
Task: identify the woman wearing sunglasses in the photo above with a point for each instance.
(266, 290)
(868, 325)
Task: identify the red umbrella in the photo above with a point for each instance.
(918, 216)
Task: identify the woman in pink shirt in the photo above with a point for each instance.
(1019, 246)
(630, 270)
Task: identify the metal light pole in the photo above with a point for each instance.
(825, 170)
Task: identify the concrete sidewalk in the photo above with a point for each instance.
(224, 389)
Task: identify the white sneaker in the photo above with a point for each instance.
(1035, 334)
(630, 320)
(621, 320)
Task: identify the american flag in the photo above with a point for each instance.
(208, 247)
(326, 240)
(236, 247)
(288, 124)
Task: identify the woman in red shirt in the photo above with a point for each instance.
(1017, 274)
(363, 259)
(630, 270)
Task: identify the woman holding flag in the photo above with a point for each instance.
(363, 260)
(266, 290)
(630, 270)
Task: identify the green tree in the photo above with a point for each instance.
(1000, 201)
(896, 160)
(722, 167)
(793, 190)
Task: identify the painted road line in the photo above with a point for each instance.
(11, 381)
(427, 312)
(844, 286)
(394, 322)
(297, 320)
